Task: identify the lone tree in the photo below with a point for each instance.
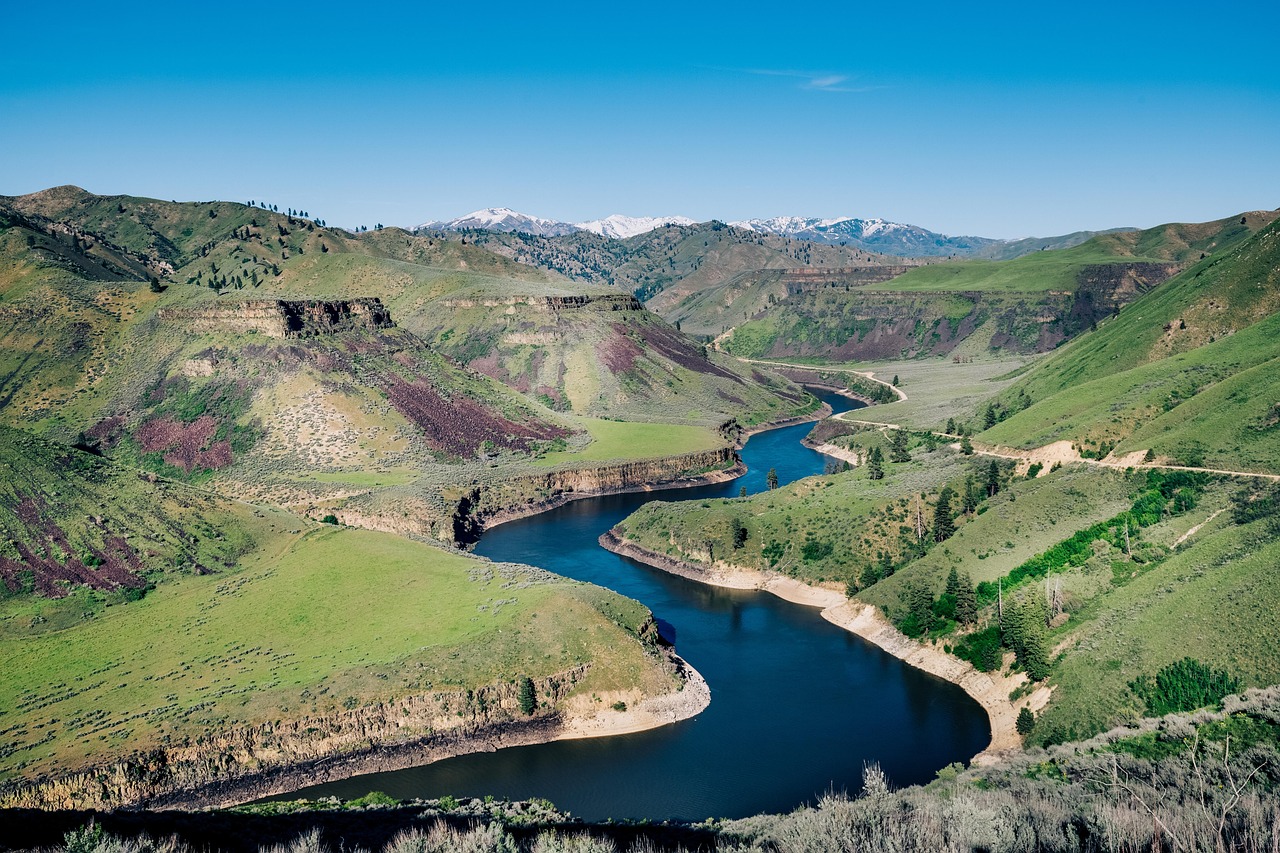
(943, 524)
(898, 449)
(771, 479)
(742, 491)
(739, 533)
(527, 698)
(993, 479)
(875, 464)
(1026, 721)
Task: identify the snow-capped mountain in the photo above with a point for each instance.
(502, 219)
(872, 235)
(876, 235)
(508, 220)
(622, 227)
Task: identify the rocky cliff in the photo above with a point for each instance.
(485, 505)
(283, 318)
(552, 304)
(248, 762)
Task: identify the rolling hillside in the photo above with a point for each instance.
(1030, 304)
(1087, 574)
(361, 376)
(1188, 372)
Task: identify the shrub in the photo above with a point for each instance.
(1185, 685)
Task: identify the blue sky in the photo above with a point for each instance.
(998, 120)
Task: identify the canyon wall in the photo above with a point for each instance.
(241, 763)
(283, 318)
(551, 304)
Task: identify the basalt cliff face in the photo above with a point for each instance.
(484, 506)
(551, 304)
(247, 762)
(839, 318)
(284, 318)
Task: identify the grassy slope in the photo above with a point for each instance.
(1214, 600)
(352, 614)
(1057, 270)
(263, 254)
(86, 503)
(1189, 371)
(1029, 304)
(616, 440)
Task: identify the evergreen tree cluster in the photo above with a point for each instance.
(1184, 685)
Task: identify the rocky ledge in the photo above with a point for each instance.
(284, 318)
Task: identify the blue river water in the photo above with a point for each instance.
(797, 704)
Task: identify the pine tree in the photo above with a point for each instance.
(898, 447)
(943, 524)
(966, 601)
(527, 698)
(953, 582)
(951, 426)
(993, 479)
(875, 464)
(771, 479)
(1026, 721)
(742, 491)
(920, 618)
(971, 496)
(966, 446)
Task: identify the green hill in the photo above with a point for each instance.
(132, 617)
(522, 326)
(1089, 578)
(1189, 371)
(1029, 304)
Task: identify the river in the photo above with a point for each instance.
(797, 704)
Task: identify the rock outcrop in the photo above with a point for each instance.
(552, 304)
(486, 505)
(247, 762)
(283, 318)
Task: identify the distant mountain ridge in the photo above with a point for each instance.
(872, 235)
(502, 219)
(876, 235)
(622, 227)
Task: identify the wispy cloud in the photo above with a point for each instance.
(816, 81)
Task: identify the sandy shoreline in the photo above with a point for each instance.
(989, 689)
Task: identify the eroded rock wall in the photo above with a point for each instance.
(247, 762)
(283, 318)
